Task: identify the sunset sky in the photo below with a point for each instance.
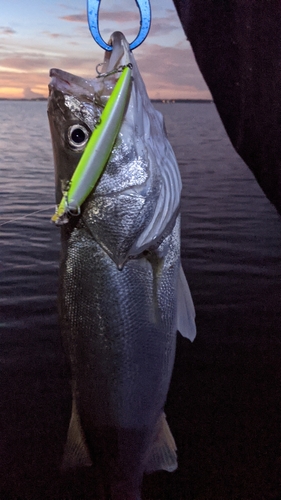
(36, 36)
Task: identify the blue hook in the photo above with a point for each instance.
(145, 21)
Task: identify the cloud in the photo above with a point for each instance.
(30, 79)
(12, 85)
(162, 26)
(66, 6)
(130, 33)
(55, 35)
(29, 94)
(5, 30)
(171, 71)
(26, 62)
(168, 72)
(75, 18)
(119, 16)
(128, 22)
(114, 16)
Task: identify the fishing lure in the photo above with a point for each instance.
(100, 144)
(97, 151)
(145, 22)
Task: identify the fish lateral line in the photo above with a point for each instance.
(97, 150)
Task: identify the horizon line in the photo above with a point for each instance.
(172, 100)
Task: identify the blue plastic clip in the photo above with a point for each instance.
(145, 21)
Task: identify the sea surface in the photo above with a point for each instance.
(224, 406)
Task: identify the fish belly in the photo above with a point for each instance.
(119, 330)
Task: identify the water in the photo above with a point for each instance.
(224, 402)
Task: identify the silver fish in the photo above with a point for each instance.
(123, 294)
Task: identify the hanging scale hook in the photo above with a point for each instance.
(145, 21)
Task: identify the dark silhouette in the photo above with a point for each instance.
(237, 46)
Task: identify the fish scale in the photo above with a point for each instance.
(118, 346)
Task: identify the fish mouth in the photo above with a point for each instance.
(67, 83)
(89, 88)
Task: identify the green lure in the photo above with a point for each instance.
(97, 151)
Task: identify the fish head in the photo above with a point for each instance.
(74, 108)
(136, 200)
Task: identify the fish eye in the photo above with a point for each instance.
(78, 136)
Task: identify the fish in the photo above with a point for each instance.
(122, 291)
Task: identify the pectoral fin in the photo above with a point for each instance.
(76, 453)
(185, 308)
(163, 453)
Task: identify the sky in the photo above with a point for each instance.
(38, 35)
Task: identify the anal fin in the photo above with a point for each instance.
(163, 452)
(76, 453)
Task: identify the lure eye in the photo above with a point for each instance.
(78, 136)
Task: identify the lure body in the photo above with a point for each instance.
(97, 150)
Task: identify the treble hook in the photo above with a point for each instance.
(145, 21)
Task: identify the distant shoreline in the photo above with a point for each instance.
(172, 101)
(165, 101)
(24, 99)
